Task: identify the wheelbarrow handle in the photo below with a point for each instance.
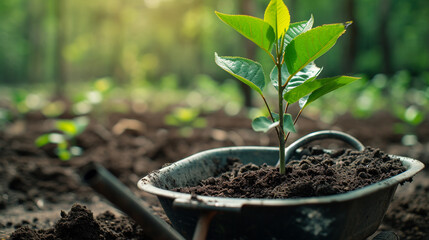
(103, 182)
(319, 135)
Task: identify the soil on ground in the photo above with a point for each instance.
(315, 174)
(39, 192)
(79, 223)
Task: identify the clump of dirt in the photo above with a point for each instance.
(316, 174)
(79, 223)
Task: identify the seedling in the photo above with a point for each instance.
(186, 119)
(65, 137)
(293, 49)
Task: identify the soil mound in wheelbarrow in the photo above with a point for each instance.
(316, 174)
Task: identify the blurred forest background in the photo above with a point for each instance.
(57, 45)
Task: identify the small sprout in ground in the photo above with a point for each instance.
(293, 47)
(186, 119)
(65, 137)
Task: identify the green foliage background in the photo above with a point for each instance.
(105, 54)
(138, 41)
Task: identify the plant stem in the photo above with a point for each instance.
(288, 79)
(271, 114)
(281, 131)
(299, 114)
(287, 106)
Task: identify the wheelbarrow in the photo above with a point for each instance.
(352, 215)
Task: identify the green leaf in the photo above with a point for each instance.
(275, 116)
(275, 78)
(42, 140)
(304, 83)
(255, 29)
(296, 29)
(308, 73)
(72, 128)
(63, 154)
(172, 120)
(288, 125)
(199, 123)
(263, 124)
(67, 126)
(311, 71)
(245, 70)
(310, 45)
(63, 145)
(185, 115)
(277, 15)
(328, 85)
(412, 115)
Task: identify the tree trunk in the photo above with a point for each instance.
(118, 72)
(34, 35)
(60, 75)
(385, 7)
(350, 47)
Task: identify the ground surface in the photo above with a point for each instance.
(35, 187)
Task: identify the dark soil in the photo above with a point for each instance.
(79, 223)
(36, 187)
(315, 174)
(411, 215)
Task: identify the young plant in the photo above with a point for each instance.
(186, 119)
(65, 137)
(293, 49)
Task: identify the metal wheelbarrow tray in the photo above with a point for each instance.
(352, 215)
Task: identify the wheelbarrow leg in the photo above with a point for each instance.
(203, 225)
